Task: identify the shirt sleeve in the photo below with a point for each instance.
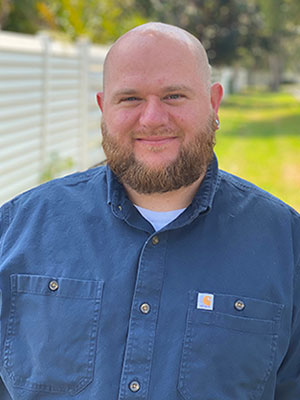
(288, 379)
(4, 395)
(4, 223)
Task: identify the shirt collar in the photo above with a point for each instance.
(206, 192)
(202, 203)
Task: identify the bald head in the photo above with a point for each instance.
(158, 108)
(154, 32)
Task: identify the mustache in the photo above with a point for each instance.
(161, 132)
(147, 132)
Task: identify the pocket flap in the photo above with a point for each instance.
(56, 286)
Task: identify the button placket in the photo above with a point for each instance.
(143, 318)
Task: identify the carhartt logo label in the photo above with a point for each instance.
(205, 301)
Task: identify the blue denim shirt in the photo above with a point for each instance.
(98, 306)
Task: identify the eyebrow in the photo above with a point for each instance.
(124, 92)
(177, 88)
(172, 88)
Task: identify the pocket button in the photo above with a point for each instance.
(239, 305)
(53, 285)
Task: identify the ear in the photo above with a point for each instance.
(216, 94)
(99, 97)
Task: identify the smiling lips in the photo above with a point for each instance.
(156, 140)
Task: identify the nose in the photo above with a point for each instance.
(154, 114)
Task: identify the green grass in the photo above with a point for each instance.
(259, 140)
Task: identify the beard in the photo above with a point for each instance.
(190, 164)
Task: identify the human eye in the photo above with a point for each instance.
(129, 99)
(174, 96)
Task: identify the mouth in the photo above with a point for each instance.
(156, 140)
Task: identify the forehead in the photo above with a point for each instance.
(153, 59)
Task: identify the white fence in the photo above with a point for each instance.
(48, 109)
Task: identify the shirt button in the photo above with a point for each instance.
(155, 240)
(239, 305)
(53, 285)
(145, 308)
(134, 386)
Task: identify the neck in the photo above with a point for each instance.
(168, 201)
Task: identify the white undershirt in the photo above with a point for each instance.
(159, 219)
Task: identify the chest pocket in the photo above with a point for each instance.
(52, 331)
(228, 352)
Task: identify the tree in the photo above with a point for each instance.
(225, 27)
(19, 16)
(5, 9)
(281, 29)
(102, 21)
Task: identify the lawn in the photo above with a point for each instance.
(259, 140)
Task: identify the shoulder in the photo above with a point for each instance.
(237, 188)
(76, 180)
(56, 193)
(257, 209)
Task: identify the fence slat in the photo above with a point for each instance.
(47, 107)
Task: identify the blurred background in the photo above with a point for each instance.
(51, 57)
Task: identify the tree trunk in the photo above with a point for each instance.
(5, 6)
(275, 64)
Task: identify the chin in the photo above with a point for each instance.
(156, 162)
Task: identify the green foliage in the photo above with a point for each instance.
(227, 28)
(101, 21)
(279, 36)
(259, 140)
(22, 16)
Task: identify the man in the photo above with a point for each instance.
(158, 277)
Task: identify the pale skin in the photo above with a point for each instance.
(157, 80)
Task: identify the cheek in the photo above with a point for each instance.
(188, 116)
(121, 120)
(187, 123)
(196, 118)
